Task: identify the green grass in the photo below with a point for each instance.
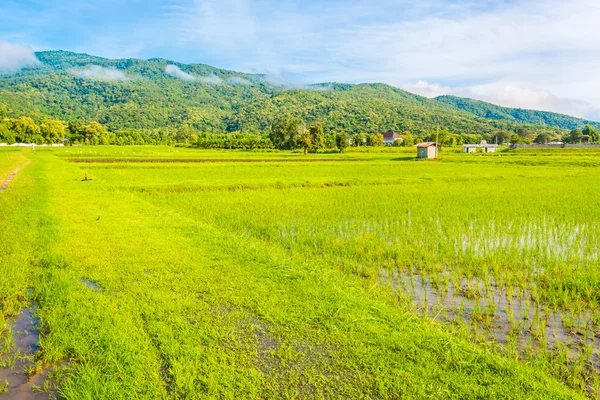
(10, 159)
(261, 280)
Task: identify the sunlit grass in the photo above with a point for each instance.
(372, 278)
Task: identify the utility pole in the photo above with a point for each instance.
(437, 136)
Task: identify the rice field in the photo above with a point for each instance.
(276, 275)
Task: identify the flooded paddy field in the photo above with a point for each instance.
(359, 275)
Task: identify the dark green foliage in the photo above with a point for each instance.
(575, 136)
(151, 99)
(317, 137)
(492, 111)
(542, 138)
(286, 132)
(592, 134)
(341, 141)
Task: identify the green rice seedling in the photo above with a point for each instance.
(268, 274)
(4, 386)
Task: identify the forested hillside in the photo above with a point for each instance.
(519, 115)
(157, 93)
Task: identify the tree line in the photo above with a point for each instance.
(285, 133)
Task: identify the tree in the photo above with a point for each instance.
(303, 141)
(25, 129)
(542, 138)
(516, 139)
(53, 131)
(3, 111)
(331, 140)
(96, 133)
(285, 131)
(184, 133)
(37, 139)
(317, 137)
(524, 133)
(6, 136)
(358, 139)
(575, 136)
(593, 134)
(408, 141)
(341, 141)
(501, 136)
(376, 140)
(75, 129)
(443, 136)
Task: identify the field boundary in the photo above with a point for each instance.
(208, 160)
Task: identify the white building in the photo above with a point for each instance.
(484, 146)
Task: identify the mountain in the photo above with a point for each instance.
(519, 115)
(141, 94)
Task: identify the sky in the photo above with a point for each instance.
(539, 54)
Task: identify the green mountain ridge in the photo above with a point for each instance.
(219, 100)
(519, 115)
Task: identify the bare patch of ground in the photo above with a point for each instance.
(9, 178)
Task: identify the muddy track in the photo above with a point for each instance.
(9, 178)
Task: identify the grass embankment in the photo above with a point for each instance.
(175, 294)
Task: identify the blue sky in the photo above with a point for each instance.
(542, 54)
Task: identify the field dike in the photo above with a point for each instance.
(208, 160)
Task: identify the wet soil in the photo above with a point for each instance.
(14, 376)
(501, 315)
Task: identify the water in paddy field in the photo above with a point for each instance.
(502, 316)
(13, 369)
(91, 285)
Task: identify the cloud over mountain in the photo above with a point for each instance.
(177, 72)
(509, 95)
(14, 56)
(100, 73)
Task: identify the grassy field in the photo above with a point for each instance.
(366, 274)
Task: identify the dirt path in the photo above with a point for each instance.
(9, 178)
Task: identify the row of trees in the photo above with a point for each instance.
(25, 130)
(290, 133)
(285, 133)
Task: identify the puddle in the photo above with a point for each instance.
(91, 285)
(21, 357)
(505, 316)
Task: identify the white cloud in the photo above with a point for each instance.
(548, 49)
(510, 95)
(550, 45)
(238, 80)
(14, 56)
(211, 79)
(100, 73)
(176, 72)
